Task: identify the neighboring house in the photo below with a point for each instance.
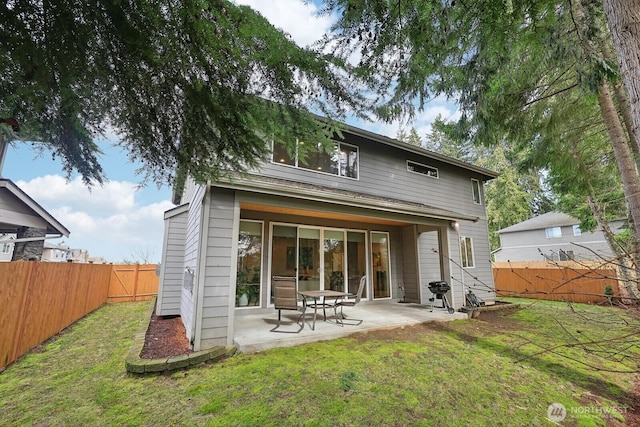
(6, 247)
(55, 253)
(25, 219)
(399, 214)
(553, 236)
(61, 253)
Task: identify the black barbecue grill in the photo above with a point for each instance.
(439, 290)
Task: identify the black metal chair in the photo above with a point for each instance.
(349, 303)
(285, 297)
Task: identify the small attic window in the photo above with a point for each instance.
(422, 169)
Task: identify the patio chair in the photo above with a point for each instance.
(285, 297)
(348, 303)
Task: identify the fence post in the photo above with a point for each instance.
(135, 283)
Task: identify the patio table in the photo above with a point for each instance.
(320, 301)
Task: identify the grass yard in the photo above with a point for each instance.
(487, 371)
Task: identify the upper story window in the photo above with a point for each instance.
(553, 232)
(422, 169)
(341, 159)
(577, 231)
(6, 247)
(475, 190)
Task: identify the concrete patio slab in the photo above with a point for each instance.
(252, 327)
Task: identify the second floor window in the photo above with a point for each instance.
(341, 159)
(475, 190)
(422, 169)
(553, 232)
(576, 230)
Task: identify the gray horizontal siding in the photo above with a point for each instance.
(172, 268)
(219, 265)
(430, 270)
(192, 244)
(383, 172)
(479, 278)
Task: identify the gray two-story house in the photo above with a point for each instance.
(376, 207)
(554, 236)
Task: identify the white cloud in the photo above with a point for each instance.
(109, 221)
(293, 17)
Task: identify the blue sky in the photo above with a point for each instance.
(120, 221)
(117, 221)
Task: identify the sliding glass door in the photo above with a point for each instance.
(380, 264)
(356, 260)
(320, 258)
(334, 260)
(309, 277)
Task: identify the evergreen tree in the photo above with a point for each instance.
(201, 85)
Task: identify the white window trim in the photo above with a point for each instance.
(552, 236)
(576, 230)
(473, 252)
(437, 176)
(479, 201)
(297, 166)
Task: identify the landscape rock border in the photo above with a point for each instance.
(136, 365)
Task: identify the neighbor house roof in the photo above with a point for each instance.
(17, 209)
(540, 222)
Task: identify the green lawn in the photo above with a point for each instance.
(466, 373)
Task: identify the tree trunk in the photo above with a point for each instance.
(623, 155)
(28, 250)
(625, 262)
(623, 17)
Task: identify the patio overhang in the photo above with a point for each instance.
(283, 196)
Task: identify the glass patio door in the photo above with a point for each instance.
(319, 258)
(309, 270)
(356, 260)
(334, 260)
(380, 264)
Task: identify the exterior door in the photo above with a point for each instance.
(380, 264)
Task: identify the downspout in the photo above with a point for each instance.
(196, 321)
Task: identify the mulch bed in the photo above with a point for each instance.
(166, 337)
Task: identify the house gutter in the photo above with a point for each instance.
(35, 239)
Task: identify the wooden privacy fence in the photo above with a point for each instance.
(557, 281)
(38, 300)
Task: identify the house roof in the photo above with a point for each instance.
(549, 219)
(298, 190)
(17, 209)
